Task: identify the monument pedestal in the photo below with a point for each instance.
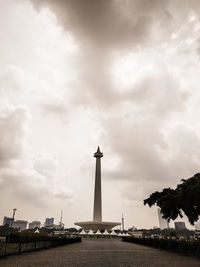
(94, 225)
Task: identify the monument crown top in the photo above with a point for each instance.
(98, 154)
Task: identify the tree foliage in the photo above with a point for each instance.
(184, 198)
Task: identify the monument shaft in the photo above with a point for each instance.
(97, 215)
(97, 223)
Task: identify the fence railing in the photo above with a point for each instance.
(7, 248)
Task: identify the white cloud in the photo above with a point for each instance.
(65, 193)
(45, 164)
(12, 133)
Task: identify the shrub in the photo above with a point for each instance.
(28, 237)
(181, 246)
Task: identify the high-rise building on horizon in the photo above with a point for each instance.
(163, 223)
(7, 220)
(20, 224)
(49, 221)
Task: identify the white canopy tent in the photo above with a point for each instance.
(113, 233)
(90, 232)
(106, 233)
(98, 232)
(82, 232)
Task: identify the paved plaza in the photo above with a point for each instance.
(100, 252)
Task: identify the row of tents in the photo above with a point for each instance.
(113, 233)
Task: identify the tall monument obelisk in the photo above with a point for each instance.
(97, 223)
(97, 214)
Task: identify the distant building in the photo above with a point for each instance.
(49, 221)
(137, 234)
(34, 224)
(179, 225)
(53, 226)
(7, 220)
(163, 224)
(20, 224)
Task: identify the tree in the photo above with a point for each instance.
(184, 198)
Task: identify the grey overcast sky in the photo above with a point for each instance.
(75, 74)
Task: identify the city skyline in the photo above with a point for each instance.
(77, 74)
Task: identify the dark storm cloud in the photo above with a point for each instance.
(99, 28)
(102, 27)
(112, 23)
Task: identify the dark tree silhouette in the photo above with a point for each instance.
(173, 202)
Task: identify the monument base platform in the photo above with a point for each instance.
(96, 225)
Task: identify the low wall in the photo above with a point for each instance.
(8, 248)
(190, 247)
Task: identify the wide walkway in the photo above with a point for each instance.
(100, 252)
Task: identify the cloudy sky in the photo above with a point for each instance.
(75, 74)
